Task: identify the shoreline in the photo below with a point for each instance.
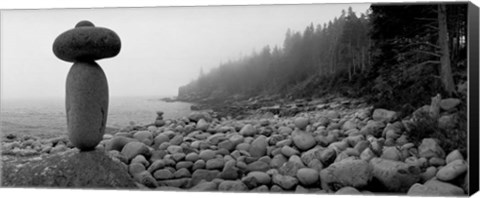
(322, 137)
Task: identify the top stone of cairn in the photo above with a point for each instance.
(86, 42)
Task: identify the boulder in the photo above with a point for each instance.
(71, 169)
(256, 178)
(258, 148)
(303, 140)
(202, 174)
(230, 185)
(454, 155)
(435, 188)
(383, 115)
(395, 176)
(301, 122)
(430, 148)
(248, 130)
(285, 181)
(449, 103)
(354, 173)
(452, 170)
(307, 176)
(133, 149)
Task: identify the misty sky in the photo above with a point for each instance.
(162, 48)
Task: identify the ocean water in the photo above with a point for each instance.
(48, 117)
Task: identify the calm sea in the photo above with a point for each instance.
(47, 116)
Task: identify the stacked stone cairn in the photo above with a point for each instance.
(342, 150)
(159, 122)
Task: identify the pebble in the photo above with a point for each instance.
(207, 154)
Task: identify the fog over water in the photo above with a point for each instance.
(162, 47)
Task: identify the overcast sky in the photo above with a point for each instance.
(163, 48)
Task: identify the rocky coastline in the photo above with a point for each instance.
(330, 145)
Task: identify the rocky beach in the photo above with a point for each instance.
(340, 145)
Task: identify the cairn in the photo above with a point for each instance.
(86, 88)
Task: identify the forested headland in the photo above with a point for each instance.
(395, 56)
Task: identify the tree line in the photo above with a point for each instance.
(393, 53)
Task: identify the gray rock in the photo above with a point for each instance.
(289, 151)
(202, 174)
(347, 190)
(394, 175)
(435, 188)
(157, 164)
(207, 154)
(248, 130)
(258, 147)
(132, 149)
(430, 148)
(163, 174)
(449, 103)
(230, 171)
(308, 176)
(257, 166)
(384, 115)
(146, 179)
(354, 173)
(184, 164)
(301, 122)
(205, 186)
(117, 143)
(303, 140)
(229, 185)
(452, 156)
(145, 137)
(452, 170)
(67, 170)
(256, 178)
(182, 173)
(278, 161)
(202, 125)
(86, 43)
(285, 181)
(216, 163)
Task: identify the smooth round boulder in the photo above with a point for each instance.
(86, 103)
(86, 42)
(307, 176)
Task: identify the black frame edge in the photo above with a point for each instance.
(473, 64)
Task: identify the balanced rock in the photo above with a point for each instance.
(86, 42)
